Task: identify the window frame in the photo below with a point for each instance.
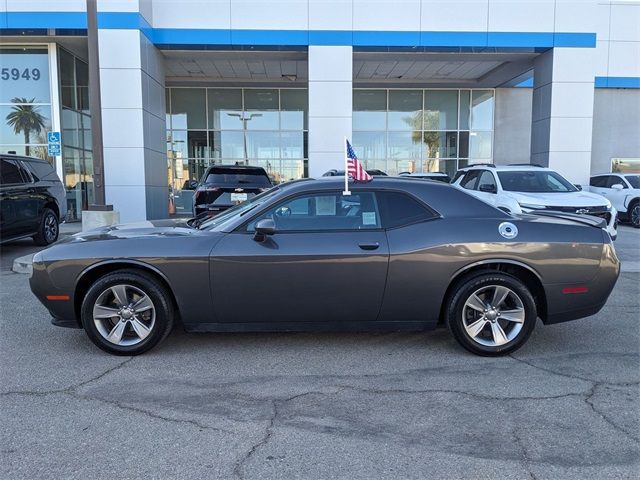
(478, 172)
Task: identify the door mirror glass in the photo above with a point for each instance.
(263, 228)
(487, 187)
(617, 186)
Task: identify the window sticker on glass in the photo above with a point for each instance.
(326, 205)
(369, 218)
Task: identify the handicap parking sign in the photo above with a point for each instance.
(53, 137)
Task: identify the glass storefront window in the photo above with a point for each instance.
(227, 145)
(263, 145)
(370, 109)
(188, 108)
(480, 145)
(225, 104)
(422, 130)
(405, 110)
(441, 110)
(482, 110)
(293, 109)
(24, 74)
(24, 123)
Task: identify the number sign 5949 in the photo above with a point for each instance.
(17, 74)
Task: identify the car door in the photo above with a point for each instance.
(326, 262)
(17, 219)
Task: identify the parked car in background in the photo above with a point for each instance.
(396, 254)
(438, 176)
(533, 189)
(623, 191)
(32, 200)
(340, 173)
(223, 186)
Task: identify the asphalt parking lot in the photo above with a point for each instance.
(352, 406)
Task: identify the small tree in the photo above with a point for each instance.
(25, 119)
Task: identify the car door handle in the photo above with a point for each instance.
(369, 246)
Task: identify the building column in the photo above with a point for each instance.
(562, 115)
(330, 106)
(133, 124)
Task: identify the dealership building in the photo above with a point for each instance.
(417, 85)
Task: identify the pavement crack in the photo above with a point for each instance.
(148, 413)
(525, 455)
(239, 465)
(70, 389)
(613, 425)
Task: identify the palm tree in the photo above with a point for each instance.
(26, 119)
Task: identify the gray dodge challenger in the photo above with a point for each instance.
(395, 254)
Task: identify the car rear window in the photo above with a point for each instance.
(398, 209)
(41, 170)
(234, 176)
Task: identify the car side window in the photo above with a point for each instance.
(469, 180)
(10, 173)
(323, 212)
(613, 180)
(487, 182)
(399, 209)
(598, 181)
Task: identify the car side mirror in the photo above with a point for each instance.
(578, 186)
(263, 228)
(487, 187)
(617, 186)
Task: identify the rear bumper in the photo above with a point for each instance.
(565, 304)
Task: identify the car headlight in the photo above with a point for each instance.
(529, 206)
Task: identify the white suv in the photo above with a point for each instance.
(531, 188)
(623, 191)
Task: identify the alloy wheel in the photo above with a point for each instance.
(493, 315)
(124, 315)
(50, 228)
(635, 215)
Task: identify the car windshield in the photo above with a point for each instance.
(529, 181)
(634, 180)
(234, 176)
(236, 211)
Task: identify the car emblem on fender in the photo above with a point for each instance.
(582, 210)
(508, 230)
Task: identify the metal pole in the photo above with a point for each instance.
(95, 108)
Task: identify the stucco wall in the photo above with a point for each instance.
(616, 127)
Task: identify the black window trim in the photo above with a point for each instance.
(241, 229)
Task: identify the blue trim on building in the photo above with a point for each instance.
(356, 38)
(31, 20)
(528, 83)
(617, 82)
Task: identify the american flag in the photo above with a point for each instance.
(355, 168)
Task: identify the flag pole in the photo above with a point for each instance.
(346, 169)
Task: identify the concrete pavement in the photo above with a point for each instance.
(352, 406)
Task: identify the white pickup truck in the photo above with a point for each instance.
(623, 191)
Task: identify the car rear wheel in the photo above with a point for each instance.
(127, 312)
(48, 229)
(491, 314)
(634, 215)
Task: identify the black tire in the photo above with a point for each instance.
(634, 214)
(138, 282)
(483, 282)
(48, 229)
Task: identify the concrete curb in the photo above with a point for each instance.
(23, 264)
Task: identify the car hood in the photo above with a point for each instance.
(568, 199)
(150, 228)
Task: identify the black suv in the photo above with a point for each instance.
(223, 186)
(32, 200)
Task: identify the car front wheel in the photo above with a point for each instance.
(127, 312)
(491, 314)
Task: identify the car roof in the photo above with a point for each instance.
(431, 174)
(23, 158)
(508, 168)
